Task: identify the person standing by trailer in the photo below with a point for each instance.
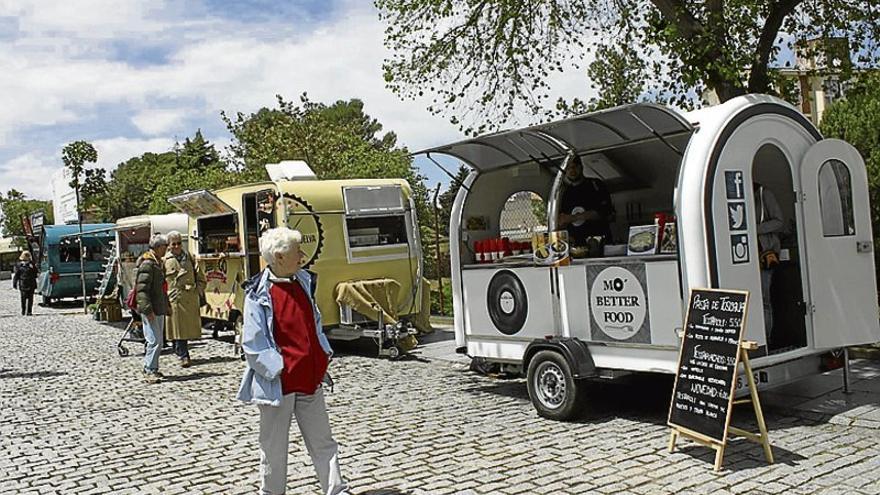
(586, 208)
(152, 304)
(25, 280)
(287, 357)
(186, 283)
(769, 227)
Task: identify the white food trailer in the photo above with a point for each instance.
(133, 239)
(603, 317)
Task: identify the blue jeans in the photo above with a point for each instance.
(153, 334)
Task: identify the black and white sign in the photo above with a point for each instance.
(735, 184)
(507, 302)
(736, 215)
(707, 365)
(739, 248)
(618, 304)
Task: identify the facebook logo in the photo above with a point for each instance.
(735, 184)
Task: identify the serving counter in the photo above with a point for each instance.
(621, 300)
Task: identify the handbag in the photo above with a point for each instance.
(131, 300)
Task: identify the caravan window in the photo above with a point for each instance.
(69, 253)
(219, 235)
(835, 199)
(375, 216)
(376, 231)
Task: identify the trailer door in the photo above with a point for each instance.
(840, 258)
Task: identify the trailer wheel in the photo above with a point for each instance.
(555, 394)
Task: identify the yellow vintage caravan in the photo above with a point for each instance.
(360, 236)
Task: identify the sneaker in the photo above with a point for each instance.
(151, 377)
(185, 362)
(160, 375)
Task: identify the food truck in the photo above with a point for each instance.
(360, 236)
(611, 314)
(133, 235)
(9, 254)
(59, 257)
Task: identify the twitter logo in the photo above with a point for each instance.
(736, 215)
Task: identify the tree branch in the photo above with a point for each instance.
(759, 80)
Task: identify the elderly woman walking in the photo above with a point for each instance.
(25, 280)
(287, 356)
(152, 303)
(185, 283)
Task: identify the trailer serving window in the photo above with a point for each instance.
(375, 217)
(69, 252)
(219, 234)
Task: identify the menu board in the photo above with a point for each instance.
(706, 376)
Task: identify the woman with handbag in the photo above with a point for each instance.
(25, 280)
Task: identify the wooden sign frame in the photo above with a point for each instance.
(741, 356)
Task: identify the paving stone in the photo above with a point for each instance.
(75, 418)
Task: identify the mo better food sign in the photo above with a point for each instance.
(618, 305)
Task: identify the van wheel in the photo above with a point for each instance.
(555, 394)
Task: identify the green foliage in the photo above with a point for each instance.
(857, 121)
(484, 59)
(16, 205)
(141, 185)
(338, 141)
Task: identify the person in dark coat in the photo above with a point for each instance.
(152, 304)
(25, 280)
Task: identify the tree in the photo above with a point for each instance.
(75, 155)
(495, 56)
(338, 141)
(16, 205)
(141, 185)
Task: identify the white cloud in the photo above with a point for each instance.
(153, 122)
(112, 152)
(62, 71)
(30, 173)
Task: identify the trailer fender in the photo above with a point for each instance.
(575, 352)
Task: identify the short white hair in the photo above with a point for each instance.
(278, 240)
(174, 236)
(157, 241)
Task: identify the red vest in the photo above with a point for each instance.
(305, 362)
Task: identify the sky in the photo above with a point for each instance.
(132, 76)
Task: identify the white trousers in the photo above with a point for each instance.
(314, 425)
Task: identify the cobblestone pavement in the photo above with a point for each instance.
(76, 418)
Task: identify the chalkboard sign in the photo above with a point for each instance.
(706, 376)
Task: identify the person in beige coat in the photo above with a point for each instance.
(186, 283)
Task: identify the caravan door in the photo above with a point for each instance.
(839, 242)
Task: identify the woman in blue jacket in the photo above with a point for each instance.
(287, 357)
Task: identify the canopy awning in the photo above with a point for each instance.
(581, 134)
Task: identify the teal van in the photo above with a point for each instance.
(59, 259)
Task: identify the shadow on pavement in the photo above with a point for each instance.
(739, 455)
(30, 374)
(643, 398)
(190, 377)
(385, 491)
(214, 359)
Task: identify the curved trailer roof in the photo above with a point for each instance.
(584, 133)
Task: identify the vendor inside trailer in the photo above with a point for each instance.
(525, 182)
